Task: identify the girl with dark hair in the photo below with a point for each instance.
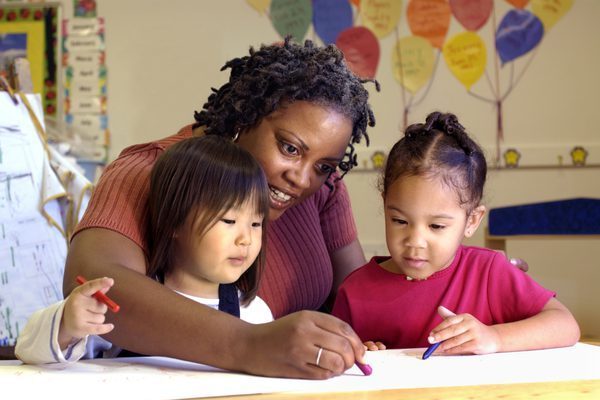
(207, 210)
(299, 111)
(432, 188)
(211, 197)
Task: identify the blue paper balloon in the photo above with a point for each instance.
(330, 17)
(518, 33)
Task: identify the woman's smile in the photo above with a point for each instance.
(279, 199)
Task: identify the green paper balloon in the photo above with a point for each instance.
(291, 17)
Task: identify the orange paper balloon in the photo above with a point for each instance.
(429, 19)
(518, 3)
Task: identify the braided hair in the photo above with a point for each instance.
(439, 148)
(279, 74)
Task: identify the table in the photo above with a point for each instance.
(568, 390)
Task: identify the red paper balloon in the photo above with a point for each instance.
(361, 50)
(472, 14)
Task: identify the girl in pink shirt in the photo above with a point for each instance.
(432, 288)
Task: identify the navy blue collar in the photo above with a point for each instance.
(228, 299)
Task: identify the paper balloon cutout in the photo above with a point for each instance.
(429, 19)
(361, 50)
(380, 16)
(330, 17)
(259, 5)
(550, 11)
(518, 3)
(466, 56)
(472, 14)
(291, 17)
(412, 62)
(518, 33)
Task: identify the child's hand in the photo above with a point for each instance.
(84, 315)
(373, 346)
(463, 334)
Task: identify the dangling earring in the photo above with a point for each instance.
(236, 136)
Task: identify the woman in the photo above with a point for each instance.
(298, 110)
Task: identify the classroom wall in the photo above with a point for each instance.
(164, 56)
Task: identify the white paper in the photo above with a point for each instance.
(37, 196)
(85, 44)
(84, 59)
(32, 250)
(83, 26)
(85, 105)
(166, 378)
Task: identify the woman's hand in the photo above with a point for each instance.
(463, 334)
(291, 346)
(84, 315)
(519, 263)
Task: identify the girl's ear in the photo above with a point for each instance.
(473, 221)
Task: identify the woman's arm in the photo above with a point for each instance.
(345, 260)
(154, 320)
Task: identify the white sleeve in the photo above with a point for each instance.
(38, 342)
(257, 312)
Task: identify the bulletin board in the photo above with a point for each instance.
(32, 31)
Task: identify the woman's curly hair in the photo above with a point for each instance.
(278, 74)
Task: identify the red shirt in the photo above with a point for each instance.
(298, 273)
(400, 313)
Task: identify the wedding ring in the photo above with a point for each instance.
(319, 356)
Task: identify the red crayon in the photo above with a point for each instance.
(114, 307)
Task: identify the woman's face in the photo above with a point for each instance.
(298, 147)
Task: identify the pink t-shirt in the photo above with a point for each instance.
(298, 274)
(400, 313)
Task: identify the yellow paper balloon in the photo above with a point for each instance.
(380, 16)
(260, 5)
(412, 62)
(550, 11)
(465, 55)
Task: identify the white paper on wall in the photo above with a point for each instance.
(34, 210)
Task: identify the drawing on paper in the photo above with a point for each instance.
(32, 252)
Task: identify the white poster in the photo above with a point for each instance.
(33, 211)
